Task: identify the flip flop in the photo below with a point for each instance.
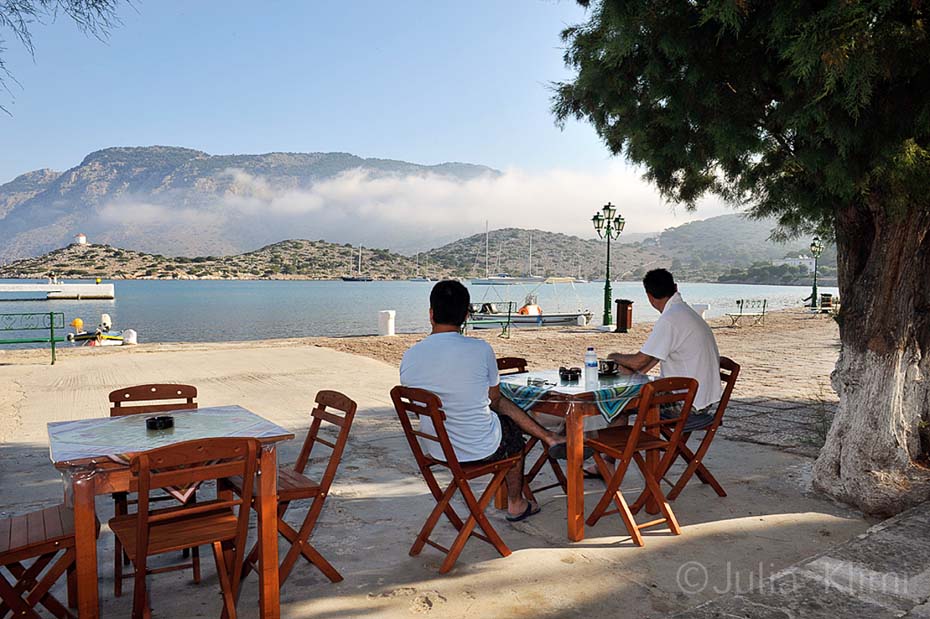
(531, 510)
(560, 452)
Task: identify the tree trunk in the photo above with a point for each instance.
(877, 455)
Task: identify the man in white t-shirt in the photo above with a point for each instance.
(483, 426)
(682, 342)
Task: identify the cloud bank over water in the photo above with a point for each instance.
(412, 212)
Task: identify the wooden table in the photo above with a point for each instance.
(573, 402)
(89, 453)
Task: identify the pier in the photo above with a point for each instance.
(58, 291)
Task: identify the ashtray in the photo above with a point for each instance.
(162, 422)
(570, 374)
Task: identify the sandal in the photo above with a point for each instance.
(591, 474)
(531, 510)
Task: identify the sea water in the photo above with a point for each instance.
(216, 311)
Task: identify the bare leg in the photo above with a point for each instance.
(516, 502)
(503, 406)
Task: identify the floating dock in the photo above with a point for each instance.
(63, 291)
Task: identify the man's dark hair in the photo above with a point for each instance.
(660, 283)
(449, 301)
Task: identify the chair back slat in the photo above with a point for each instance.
(152, 398)
(511, 365)
(339, 410)
(189, 475)
(423, 403)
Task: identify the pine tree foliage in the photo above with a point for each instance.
(786, 108)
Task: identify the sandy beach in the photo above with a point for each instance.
(770, 518)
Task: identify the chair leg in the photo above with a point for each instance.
(222, 571)
(140, 606)
(12, 599)
(428, 526)
(72, 586)
(301, 547)
(696, 466)
(613, 493)
(477, 516)
(300, 544)
(40, 594)
(653, 486)
(195, 563)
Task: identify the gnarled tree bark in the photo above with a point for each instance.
(876, 453)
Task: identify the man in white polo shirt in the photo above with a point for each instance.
(483, 426)
(682, 342)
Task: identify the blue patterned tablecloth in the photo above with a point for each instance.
(611, 396)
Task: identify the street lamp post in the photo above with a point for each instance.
(816, 250)
(608, 224)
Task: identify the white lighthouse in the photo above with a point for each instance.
(80, 238)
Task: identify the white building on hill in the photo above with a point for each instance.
(800, 261)
(80, 238)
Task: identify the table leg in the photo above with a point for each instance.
(268, 586)
(574, 432)
(85, 542)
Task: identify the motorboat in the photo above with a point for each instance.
(529, 314)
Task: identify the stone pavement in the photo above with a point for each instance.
(884, 572)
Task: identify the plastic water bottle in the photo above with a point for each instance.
(590, 369)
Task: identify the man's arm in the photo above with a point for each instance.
(503, 406)
(637, 363)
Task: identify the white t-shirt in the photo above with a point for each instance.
(685, 346)
(460, 370)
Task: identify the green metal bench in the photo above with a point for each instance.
(749, 308)
(44, 321)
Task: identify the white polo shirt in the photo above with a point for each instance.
(460, 370)
(685, 346)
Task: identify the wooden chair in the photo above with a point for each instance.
(217, 522)
(644, 443)
(511, 365)
(729, 370)
(518, 365)
(424, 404)
(149, 399)
(40, 535)
(294, 485)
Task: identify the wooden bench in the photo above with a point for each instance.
(45, 321)
(753, 309)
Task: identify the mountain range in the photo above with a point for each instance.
(179, 201)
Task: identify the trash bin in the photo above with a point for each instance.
(624, 315)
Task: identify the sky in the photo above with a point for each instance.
(426, 82)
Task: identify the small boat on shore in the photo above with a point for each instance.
(103, 335)
(530, 314)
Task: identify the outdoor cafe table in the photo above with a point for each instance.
(93, 456)
(583, 409)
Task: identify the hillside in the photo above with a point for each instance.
(179, 201)
(554, 254)
(683, 249)
(294, 259)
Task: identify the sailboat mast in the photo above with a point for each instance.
(531, 255)
(487, 240)
(360, 259)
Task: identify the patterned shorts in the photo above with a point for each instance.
(512, 442)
